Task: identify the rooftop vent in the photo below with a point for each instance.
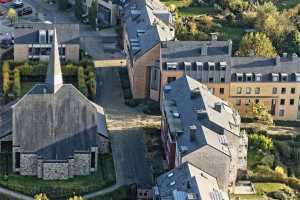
(218, 106)
(195, 93)
(192, 196)
(184, 149)
(170, 175)
(172, 183)
(176, 114)
(193, 129)
(168, 88)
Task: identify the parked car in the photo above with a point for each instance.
(17, 4)
(5, 1)
(25, 11)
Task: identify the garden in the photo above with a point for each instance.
(19, 77)
(102, 178)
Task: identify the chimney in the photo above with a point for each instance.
(277, 60)
(294, 57)
(193, 129)
(229, 47)
(204, 50)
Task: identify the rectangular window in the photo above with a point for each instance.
(93, 159)
(240, 78)
(283, 90)
(293, 90)
(221, 90)
(239, 90)
(222, 79)
(248, 90)
(274, 91)
(211, 79)
(282, 101)
(292, 101)
(238, 102)
(17, 159)
(281, 113)
(170, 79)
(257, 90)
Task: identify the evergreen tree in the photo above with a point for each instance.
(93, 14)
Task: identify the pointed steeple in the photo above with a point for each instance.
(54, 78)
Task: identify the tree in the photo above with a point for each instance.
(259, 112)
(290, 43)
(237, 6)
(93, 14)
(76, 198)
(260, 141)
(280, 171)
(12, 15)
(17, 83)
(78, 9)
(5, 76)
(41, 196)
(63, 4)
(257, 44)
(81, 81)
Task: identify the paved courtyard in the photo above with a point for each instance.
(126, 132)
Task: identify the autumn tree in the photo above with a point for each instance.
(12, 15)
(41, 196)
(5, 78)
(260, 141)
(259, 112)
(256, 44)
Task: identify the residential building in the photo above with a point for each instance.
(146, 24)
(33, 41)
(240, 80)
(56, 131)
(188, 182)
(200, 128)
(108, 11)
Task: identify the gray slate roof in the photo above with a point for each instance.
(28, 33)
(187, 180)
(210, 127)
(153, 19)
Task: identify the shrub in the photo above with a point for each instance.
(261, 141)
(280, 171)
(81, 81)
(17, 83)
(69, 70)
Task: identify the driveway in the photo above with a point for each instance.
(125, 125)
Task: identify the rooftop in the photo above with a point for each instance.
(189, 182)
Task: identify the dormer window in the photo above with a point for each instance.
(171, 66)
(284, 77)
(275, 77)
(297, 77)
(258, 77)
(50, 36)
(249, 77)
(211, 66)
(223, 66)
(187, 66)
(239, 77)
(199, 65)
(42, 37)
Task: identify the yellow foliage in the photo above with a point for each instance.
(280, 171)
(41, 196)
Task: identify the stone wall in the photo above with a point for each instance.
(28, 164)
(55, 170)
(82, 163)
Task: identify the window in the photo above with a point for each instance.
(170, 79)
(221, 90)
(275, 77)
(249, 77)
(17, 159)
(248, 102)
(282, 101)
(292, 101)
(239, 90)
(283, 90)
(297, 77)
(211, 68)
(257, 90)
(248, 90)
(293, 90)
(239, 77)
(256, 100)
(284, 78)
(274, 90)
(238, 102)
(281, 113)
(222, 79)
(211, 79)
(93, 159)
(257, 77)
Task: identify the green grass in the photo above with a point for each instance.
(263, 188)
(26, 86)
(196, 10)
(104, 177)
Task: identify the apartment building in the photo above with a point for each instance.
(200, 128)
(33, 41)
(240, 80)
(146, 24)
(187, 182)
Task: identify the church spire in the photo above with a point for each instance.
(54, 78)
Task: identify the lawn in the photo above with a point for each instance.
(197, 10)
(104, 177)
(26, 86)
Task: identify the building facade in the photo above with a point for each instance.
(33, 41)
(56, 131)
(273, 82)
(146, 23)
(200, 128)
